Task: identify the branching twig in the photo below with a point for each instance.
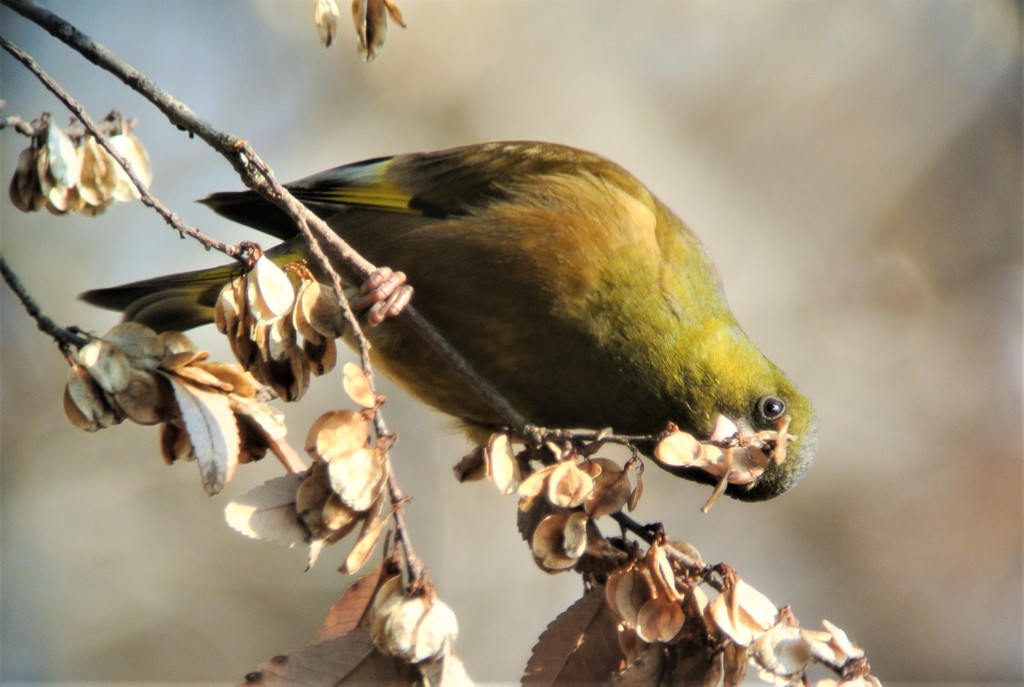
(145, 196)
(65, 338)
(256, 174)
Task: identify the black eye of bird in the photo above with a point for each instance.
(771, 408)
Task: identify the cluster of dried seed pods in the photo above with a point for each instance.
(344, 489)
(659, 601)
(558, 503)
(369, 16)
(71, 172)
(281, 330)
(210, 412)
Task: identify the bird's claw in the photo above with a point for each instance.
(384, 294)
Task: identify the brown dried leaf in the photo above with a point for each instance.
(579, 647)
(212, 429)
(174, 443)
(268, 512)
(352, 608)
(347, 660)
(357, 386)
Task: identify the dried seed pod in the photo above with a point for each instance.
(138, 159)
(142, 345)
(97, 176)
(660, 620)
(270, 293)
(357, 477)
(627, 591)
(568, 486)
(419, 629)
(556, 539)
(106, 363)
(175, 443)
(25, 191)
(325, 16)
(501, 464)
(144, 400)
(85, 405)
(319, 311)
(742, 613)
(337, 432)
(357, 386)
(473, 466)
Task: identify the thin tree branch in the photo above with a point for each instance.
(67, 339)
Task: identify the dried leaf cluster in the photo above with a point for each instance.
(281, 325)
(213, 413)
(369, 16)
(69, 171)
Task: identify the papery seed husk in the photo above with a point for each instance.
(373, 527)
(96, 180)
(357, 477)
(63, 164)
(144, 348)
(144, 401)
(138, 159)
(313, 492)
(536, 484)
(106, 363)
(415, 631)
(660, 620)
(336, 515)
(322, 357)
(226, 312)
(233, 377)
(75, 415)
(501, 463)
(176, 342)
(325, 16)
(197, 375)
(631, 592)
(678, 449)
(274, 293)
(574, 538)
(568, 486)
(281, 343)
(25, 191)
(337, 432)
(548, 542)
(87, 395)
(357, 386)
(322, 311)
(387, 597)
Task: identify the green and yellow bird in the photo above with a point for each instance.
(562, 280)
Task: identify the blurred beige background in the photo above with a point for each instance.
(855, 168)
